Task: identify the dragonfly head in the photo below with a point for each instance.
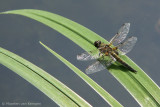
(97, 43)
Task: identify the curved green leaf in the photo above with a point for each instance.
(105, 95)
(49, 85)
(139, 85)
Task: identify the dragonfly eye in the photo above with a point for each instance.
(97, 44)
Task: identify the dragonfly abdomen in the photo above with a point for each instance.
(123, 63)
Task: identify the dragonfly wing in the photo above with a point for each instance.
(121, 35)
(127, 46)
(95, 67)
(86, 56)
(99, 65)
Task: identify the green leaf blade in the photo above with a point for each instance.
(49, 85)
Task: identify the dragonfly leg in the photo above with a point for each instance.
(100, 54)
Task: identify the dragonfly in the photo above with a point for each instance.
(116, 47)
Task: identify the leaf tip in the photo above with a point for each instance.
(41, 43)
(6, 12)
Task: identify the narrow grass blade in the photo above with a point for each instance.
(105, 95)
(49, 85)
(139, 85)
